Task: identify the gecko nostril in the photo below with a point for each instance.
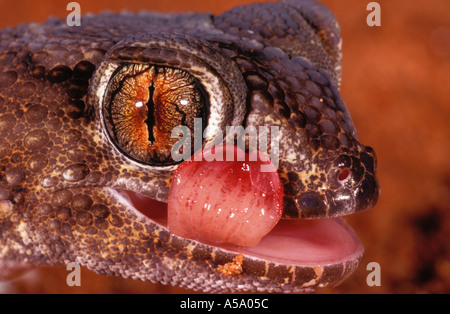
(344, 175)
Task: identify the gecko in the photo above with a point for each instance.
(83, 180)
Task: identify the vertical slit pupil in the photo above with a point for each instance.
(151, 114)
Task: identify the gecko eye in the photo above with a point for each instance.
(144, 103)
(152, 84)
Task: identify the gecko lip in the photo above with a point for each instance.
(318, 242)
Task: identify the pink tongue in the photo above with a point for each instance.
(219, 200)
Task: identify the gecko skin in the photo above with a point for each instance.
(62, 162)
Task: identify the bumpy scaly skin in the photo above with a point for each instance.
(59, 169)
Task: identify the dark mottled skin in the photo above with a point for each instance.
(279, 64)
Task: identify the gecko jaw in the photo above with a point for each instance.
(317, 242)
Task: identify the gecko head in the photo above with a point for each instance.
(324, 170)
(98, 148)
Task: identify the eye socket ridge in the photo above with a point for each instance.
(144, 103)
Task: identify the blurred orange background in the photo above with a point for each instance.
(396, 84)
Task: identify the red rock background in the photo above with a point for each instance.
(395, 83)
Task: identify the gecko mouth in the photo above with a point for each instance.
(305, 243)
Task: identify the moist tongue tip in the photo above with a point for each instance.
(218, 200)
